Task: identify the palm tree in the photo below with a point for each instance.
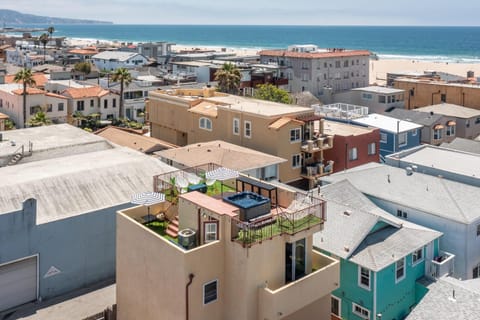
(50, 31)
(125, 78)
(44, 40)
(228, 78)
(26, 77)
(39, 119)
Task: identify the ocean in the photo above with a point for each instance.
(450, 44)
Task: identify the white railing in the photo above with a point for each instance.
(442, 265)
(341, 110)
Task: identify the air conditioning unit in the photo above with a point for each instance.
(187, 238)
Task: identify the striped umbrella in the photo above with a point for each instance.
(221, 174)
(147, 199)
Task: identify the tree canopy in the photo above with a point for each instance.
(270, 92)
(24, 76)
(39, 119)
(123, 76)
(228, 78)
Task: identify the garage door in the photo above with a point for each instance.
(18, 283)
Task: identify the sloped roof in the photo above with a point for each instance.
(424, 118)
(351, 217)
(437, 196)
(452, 110)
(39, 77)
(277, 124)
(133, 141)
(116, 55)
(222, 153)
(30, 91)
(88, 92)
(205, 108)
(462, 144)
(72, 185)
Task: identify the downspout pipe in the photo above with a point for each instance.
(190, 280)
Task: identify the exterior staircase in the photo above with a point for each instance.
(15, 158)
(172, 229)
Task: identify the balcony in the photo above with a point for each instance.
(442, 265)
(276, 303)
(304, 213)
(316, 170)
(322, 143)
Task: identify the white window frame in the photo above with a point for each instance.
(339, 306)
(398, 279)
(353, 154)
(205, 124)
(382, 136)
(247, 133)
(476, 273)
(450, 131)
(208, 231)
(372, 149)
(414, 132)
(364, 313)
(216, 291)
(299, 161)
(437, 134)
(361, 275)
(297, 135)
(236, 126)
(402, 134)
(415, 254)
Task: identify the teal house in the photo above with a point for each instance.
(381, 256)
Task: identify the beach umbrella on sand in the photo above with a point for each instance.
(147, 199)
(221, 174)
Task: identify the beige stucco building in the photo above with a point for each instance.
(225, 263)
(425, 92)
(189, 116)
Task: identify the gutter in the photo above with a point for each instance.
(190, 280)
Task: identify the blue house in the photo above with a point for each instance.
(381, 256)
(395, 135)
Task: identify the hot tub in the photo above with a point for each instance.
(251, 204)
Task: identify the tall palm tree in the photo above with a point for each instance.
(44, 40)
(26, 77)
(228, 78)
(50, 31)
(125, 78)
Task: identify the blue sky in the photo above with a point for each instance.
(283, 12)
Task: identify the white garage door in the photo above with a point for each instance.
(18, 283)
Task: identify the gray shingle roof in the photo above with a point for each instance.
(437, 196)
(462, 144)
(423, 118)
(439, 303)
(350, 218)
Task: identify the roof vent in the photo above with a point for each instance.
(347, 213)
(346, 248)
(409, 171)
(415, 168)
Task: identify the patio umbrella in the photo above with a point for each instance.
(147, 199)
(221, 174)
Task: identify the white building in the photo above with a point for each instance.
(437, 203)
(377, 99)
(27, 58)
(111, 60)
(11, 103)
(93, 99)
(320, 71)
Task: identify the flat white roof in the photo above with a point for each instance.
(378, 89)
(387, 123)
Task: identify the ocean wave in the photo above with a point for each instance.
(432, 58)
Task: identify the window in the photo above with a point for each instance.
(205, 123)
(417, 256)
(414, 132)
(402, 139)
(363, 277)
(402, 214)
(210, 292)
(296, 161)
(478, 230)
(450, 130)
(80, 105)
(372, 148)
(336, 306)
(360, 311)
(367, 96)
(381, 99)
(236, 126)
(345, 64)
(400, 270)
(476, 271)
(92, 102)
(467, 123)
(49, 107)
(295, 135)
(443, 97)
(114, 103)
(352, 154)
(60, 106)
(383, 137)
(35, 109)
(437, 134)
(210, 231)
(337, 64)
(477, 121)
(247, 129)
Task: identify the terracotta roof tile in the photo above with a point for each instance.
(40, 79)
(88, 92)
(30, 91)
(314, 55)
